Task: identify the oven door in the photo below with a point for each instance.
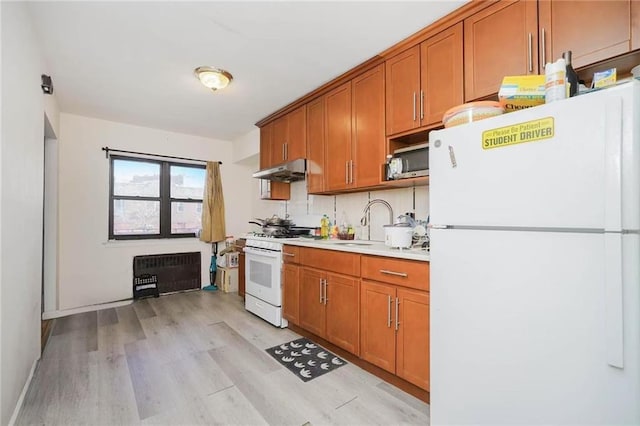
(262, 277)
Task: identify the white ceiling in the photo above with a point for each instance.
(133, 62)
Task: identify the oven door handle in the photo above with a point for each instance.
(262, 252)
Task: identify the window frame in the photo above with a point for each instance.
(164, 199)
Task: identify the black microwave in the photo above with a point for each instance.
(409, 162)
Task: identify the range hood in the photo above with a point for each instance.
(285, 172)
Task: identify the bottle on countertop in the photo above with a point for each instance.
(324, 227)
(572, 75)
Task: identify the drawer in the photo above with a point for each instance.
(330, 260)
(407, 273)
(290, 254)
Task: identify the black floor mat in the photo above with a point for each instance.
(305, 359)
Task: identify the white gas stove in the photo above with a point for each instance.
(263, 292)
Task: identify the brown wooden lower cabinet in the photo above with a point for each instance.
(378, 335)
(312, 311)
(383, 323)
(241, 274)
(412, 340)
(395, 330)
(342, 306)
(239, 244)
(329, 306)
(291, 293)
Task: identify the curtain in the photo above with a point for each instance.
(213, 228)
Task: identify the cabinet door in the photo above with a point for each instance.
(266, 132)
(315, 146)
(368, 151)
(442, 79)
(241, 274)
(635, 25)
(499, 40)
(312, 308)
(291, 293)
(402, 73)
(377, 331)
(412, 351)
(297, 139)
(279, 139)
(343, 326)
(338, 137)
(272, 190)
(592, 30)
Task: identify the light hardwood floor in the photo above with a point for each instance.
(195, 358)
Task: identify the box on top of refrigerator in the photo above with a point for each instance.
(521, 91)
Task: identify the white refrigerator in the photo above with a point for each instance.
(535, 265)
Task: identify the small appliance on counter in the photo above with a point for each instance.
(398, 235)
(409, 162)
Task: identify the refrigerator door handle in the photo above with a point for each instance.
(613, 299)
(613, 166)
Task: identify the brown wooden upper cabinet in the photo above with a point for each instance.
(265, 145)
(592, 30)
(499, 40)
(368, 151)
(338, 137)
(424, 81)
(289, 137)
(270, 190)
(315, 145)
(519, 37)
(354, 132)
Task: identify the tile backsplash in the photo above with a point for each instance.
(402, 200)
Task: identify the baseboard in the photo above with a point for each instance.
(16, 410)
(90, 308)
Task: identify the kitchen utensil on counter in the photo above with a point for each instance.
(398, 235)
(274, 220)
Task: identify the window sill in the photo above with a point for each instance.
(153, 242)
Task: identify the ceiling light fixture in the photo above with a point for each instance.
(213, 78)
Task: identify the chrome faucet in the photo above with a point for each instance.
(364, 221)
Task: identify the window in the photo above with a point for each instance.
(154, 199)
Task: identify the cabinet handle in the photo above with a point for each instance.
(288, 254)
(389, 312)
(325, 292)
(397, 315)
(350, 171)
(543, 36)
(283, 152)
(421, 105)
(321, 292)
(286, 151)
(414, 106)
(530, 52)
(346, 172)
(397, 274)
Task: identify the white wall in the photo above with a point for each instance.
(92, 269)
(50, 252)
(246, 146)
(21, 192)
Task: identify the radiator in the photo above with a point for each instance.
(175, 272)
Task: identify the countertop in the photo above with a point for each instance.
(376, 248)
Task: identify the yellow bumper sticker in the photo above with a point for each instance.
(529, 131)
